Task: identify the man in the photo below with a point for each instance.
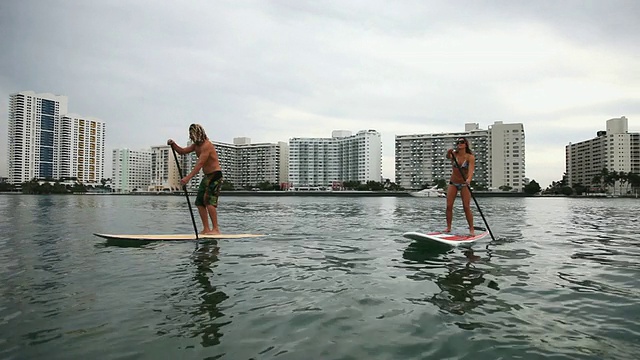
(209, 190)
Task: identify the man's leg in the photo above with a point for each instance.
(205, 221)
(213, 213)
(213, 191)
(200, 204)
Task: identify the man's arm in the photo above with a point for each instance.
(204, 155)
(180, 150)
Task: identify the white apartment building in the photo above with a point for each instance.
(164, 170)
(82, 148)
(34, 135)
(343, 157)
(615, 149)
(48, 143)
(507, 156)
(499, 152)
(131, 170)
(246, 165)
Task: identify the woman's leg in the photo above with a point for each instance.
(452, 192)
(465, 194)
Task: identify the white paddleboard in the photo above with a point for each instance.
(447, 238)
(174, 237)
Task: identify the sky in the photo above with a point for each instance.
(274, 70)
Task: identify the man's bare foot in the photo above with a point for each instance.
(446, 231)
(212, 232)
(205, 232)
(472, 234)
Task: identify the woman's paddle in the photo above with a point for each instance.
(186, 194)
(473, 197)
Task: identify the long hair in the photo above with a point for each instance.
(468, 147)
(197, 134)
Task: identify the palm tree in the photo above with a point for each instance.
(634, 180)
(605, 178)
(611, 179)
(597, 179)
(622, 177)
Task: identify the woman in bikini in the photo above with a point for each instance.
(460, 180)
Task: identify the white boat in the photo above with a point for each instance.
(430, 192)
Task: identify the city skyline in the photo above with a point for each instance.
(245, 140)
(276, 71)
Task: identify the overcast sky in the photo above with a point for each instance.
(273, 70)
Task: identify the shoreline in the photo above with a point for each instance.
(345, 193)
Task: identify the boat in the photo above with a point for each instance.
(430, 192)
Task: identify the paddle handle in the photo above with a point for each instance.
(186, 194)
(453, 156)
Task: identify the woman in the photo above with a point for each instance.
(460, 180)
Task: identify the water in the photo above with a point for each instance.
(333, 280)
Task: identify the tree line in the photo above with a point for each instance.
(346, 185)
(600, 183)
(531, 188)
(52, 186)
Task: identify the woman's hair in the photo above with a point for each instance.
(197, 134)
(468, 147)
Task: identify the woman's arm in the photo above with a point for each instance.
(472, 167)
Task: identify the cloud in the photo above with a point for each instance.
(281, 69)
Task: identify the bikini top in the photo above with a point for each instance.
(464, 165)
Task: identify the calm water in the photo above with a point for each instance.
(333, 280)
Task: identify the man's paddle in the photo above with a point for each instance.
(186, 194)
(471, 192)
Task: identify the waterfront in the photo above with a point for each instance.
(334, 279)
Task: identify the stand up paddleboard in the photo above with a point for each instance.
(447, 238)
(174, 237)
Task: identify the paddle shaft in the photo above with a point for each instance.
(455, 160)
(186, 194)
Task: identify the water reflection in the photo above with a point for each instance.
(458, 294)
(457, 283)
(207, 312)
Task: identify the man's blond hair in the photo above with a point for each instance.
(197, 134)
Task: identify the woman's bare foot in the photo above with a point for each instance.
(205, 232)
(446, 231)
(212, 232)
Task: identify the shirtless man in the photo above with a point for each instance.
(209, 190)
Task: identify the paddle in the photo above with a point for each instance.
(473, 197)
(186, 194)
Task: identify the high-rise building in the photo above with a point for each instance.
(343, 157)
(46, 142)
(131, 170)
(82, 148)
(615, 149)
(507, 156)
(499, 152)
(164, 170)
(246, 165)
(33, 135)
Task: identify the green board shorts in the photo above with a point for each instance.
(209, 189)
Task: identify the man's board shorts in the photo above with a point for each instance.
(209, 189)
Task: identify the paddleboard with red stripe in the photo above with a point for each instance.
(450, 239)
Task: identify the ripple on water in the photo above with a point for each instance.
(335, 280)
